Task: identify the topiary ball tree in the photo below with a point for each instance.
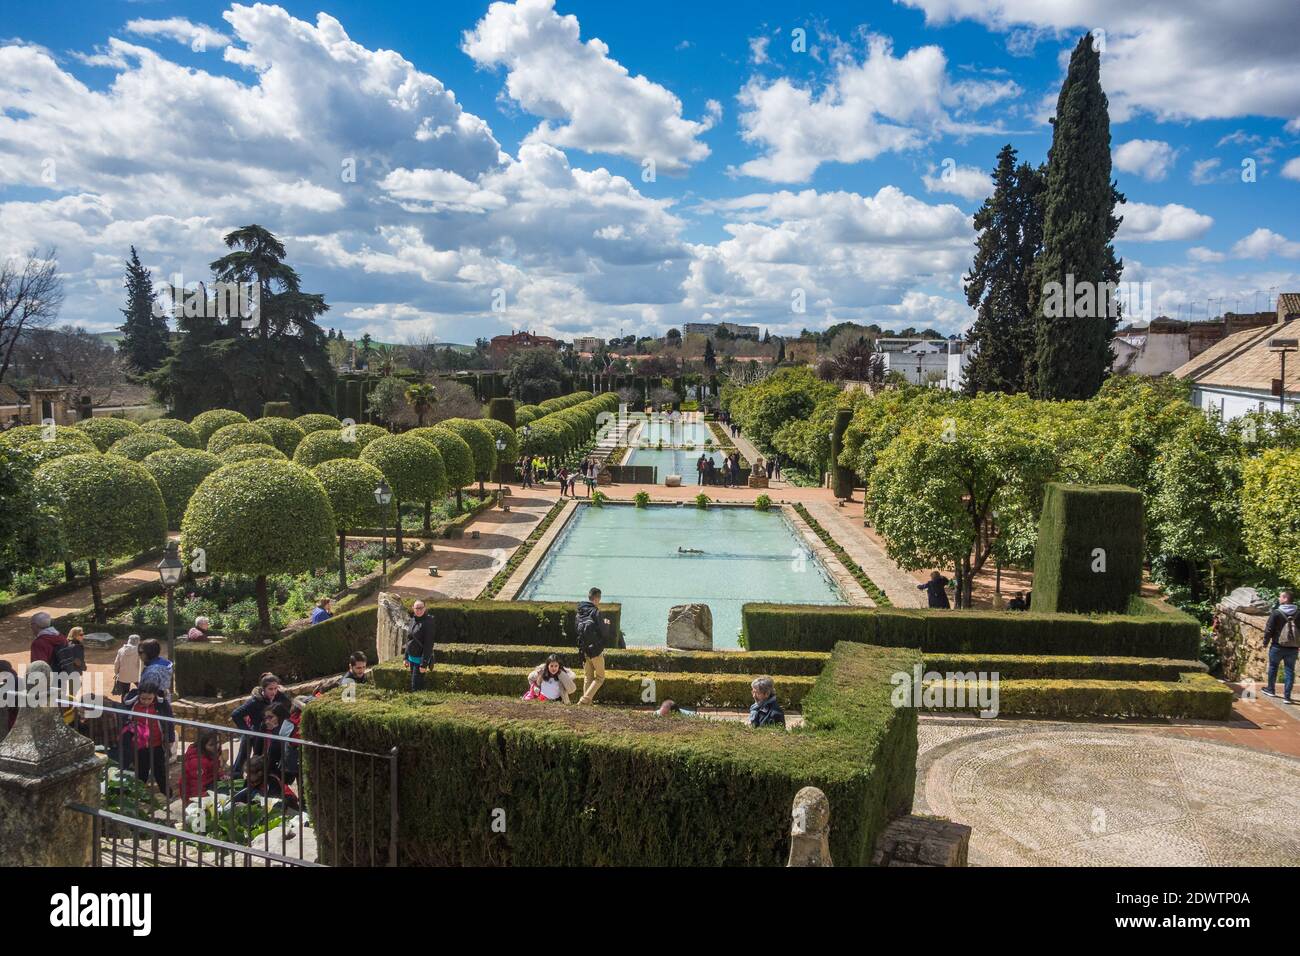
(350, 486)
(508, 455)
(364, 434)
(41, 443)
(251, 452)
(240, 433)
(457, 458)
(412, 467)
(178, 471)
(325, 445)
(104, 431)
(503, 410)
(317, 422)
(206, 423)
(284, 433)
(182, 433)
(481, 442)
(141, 445)
(106, 506)
(260, 518)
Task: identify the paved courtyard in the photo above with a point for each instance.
(1094, 794)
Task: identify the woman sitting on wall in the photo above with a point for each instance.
(551, 681)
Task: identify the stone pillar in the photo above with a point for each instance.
(44, 766)
(810, 829)
(393, 621)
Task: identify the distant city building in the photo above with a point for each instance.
(711, 329)
(1241, 373)
(1167, 344)
(939, 362)
(587, 343)
(503, 346)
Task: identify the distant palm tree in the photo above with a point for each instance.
(422, 397)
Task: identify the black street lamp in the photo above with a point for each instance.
(501, 479)
(383, 498)
(170, 570)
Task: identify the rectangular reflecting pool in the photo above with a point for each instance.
(632, 554)
(672, 461)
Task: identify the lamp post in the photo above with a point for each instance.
(170, 570)
(1282, 347)
(501, 481)
(383, 498)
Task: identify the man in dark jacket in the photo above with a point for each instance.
(593, 635)
(936, 590)
(419, 645)
(250, 715)
(1282, 638)
(765, 711)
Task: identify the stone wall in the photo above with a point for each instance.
(1239, 635)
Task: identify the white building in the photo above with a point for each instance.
(940, 362)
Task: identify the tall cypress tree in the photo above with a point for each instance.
(1010, 226)
(145, 336)
(1072, 354)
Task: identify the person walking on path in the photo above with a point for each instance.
(46, 638)
(419, 644)
(593, 635)
(1282, 638)
(936, 590)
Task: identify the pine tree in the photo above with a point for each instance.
(1010, 225)
(710, 357)
(145, 336)
(1072, 353)
(780, 351)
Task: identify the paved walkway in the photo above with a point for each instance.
(465, 565)
(845, 526)
(1092, 794)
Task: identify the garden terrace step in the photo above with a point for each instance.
(1193, 695)
(793, 663)
(641, 688)
(1053, 667)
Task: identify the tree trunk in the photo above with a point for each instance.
(481, 493)
(428, 516)
(263, 606)
(101, 615)
(69, 572)
(397, 530)
(459, 504)
(343, 567)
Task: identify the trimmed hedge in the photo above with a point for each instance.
(1043, 667)
(596, 786)
(792, 663)
(635, 687)
(810, 627)
(1193, 695)
(1077, 522)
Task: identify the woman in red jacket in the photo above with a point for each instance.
(202, 767)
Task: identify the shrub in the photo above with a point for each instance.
(31, 440)
(641, 498)
(350, 486)
(284, 434)
(469, 755)
(702, 500)
(363, 434)
(104, 431)
(205, 424)
(1270, 488)
(282, 410)
(481, 440)
(141, 445)
(598, 498)
(810, 627)
(411, 466)
(317, 423)
(178, 471)
(457, 456)
(239, 433)
(260, 518)
(644, 659)
(503, 432)
(106, 506)
(324, 445)
(503, 410)
(251, 453)
(182, 433)
(762, 503)
(1078, 523)
(1190, 695)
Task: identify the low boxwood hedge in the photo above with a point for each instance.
(641, 687)
(1039, 667)
(1192, 695)
(592, 786)
(806, 627)
(793, 663)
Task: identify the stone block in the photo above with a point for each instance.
(690, 627)
(922, 841)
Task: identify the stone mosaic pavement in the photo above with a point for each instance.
(1088, 794)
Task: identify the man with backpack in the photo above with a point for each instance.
(593, 632)
(1282, 638)
(46, 638)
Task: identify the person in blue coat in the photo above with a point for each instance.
(766, 710)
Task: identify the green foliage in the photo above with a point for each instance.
(1270, 516)
(178, 471)
(762, 503)
(284, 434)
(774, 627)
(785, 395)
(535, 374)
(457, 456)
(206, 424)
(145, 335)
(325, 445)
(32, 442)
(1070, 575)
(598, 498)
(855, 747)
(387, 396)
(350, 486)
(1193, 695)
(28, 528)
(106, 505)
(641, 498)
(503, 410)
(251, 452)
(141, 445)
(644, 659)
(317, 422)
(412, 466)
(277, 410)
(239, 433)
(526, 415)
(702, 500)
(104, 431)
(504, 432)
(260, 518)
(182, 433)
(481, 440)
(365, 433)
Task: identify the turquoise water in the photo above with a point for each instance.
(672, 433)
(672, 461)
(631, 555)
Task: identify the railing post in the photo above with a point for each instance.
(392, 807)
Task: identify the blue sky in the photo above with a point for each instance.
(502, 158)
